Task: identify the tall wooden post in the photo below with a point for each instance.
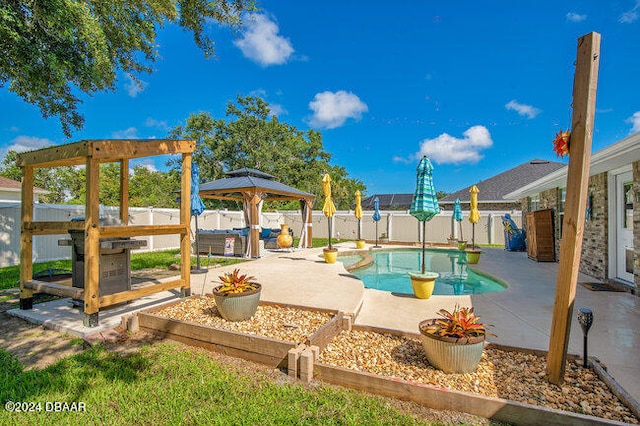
(124, 191)
(185, 222)
(254, 223)
(584, 102)
(92, 244)
(26, 238)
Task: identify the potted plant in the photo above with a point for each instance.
(452, 241)
(462, 244)
(473, 255)
(454, 343)
(238, 296)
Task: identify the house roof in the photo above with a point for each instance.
(246, 179)
(11, 185)
(616, 155)
(389, 201)
(497, 187)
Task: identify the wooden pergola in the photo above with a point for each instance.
(92, 153)
(251, 186)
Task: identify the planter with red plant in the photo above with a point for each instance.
(238, 296)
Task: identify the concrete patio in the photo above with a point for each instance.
(521, 315)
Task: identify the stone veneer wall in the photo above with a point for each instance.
(595, 252)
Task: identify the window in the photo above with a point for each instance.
(534, 203)
(562, 198)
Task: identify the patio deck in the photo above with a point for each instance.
(521, 315)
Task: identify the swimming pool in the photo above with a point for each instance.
(390, 267)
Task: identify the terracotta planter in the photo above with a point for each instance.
(451, 354)
(237, 306)
(359, 244)
(473, 256)
(330, 255)
(284, 239)
(423, 284)
(462, 244)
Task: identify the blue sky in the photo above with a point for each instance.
(480, 87)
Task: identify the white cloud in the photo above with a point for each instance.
(277, 110)
(522, 109)
(26, 143)
(134, 87)
(635, 121)
(159, 124)
(148, 164)
(130, 133)
(261, 42)
(331, 110)
(630, 15)
(575, 17)
(446, 149)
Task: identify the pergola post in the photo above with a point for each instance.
(185, 223)
(124, 191)
(92, 243)
(26, 238)
(584, 103)
(309, 223)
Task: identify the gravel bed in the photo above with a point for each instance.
(516, 376)
(276, 322)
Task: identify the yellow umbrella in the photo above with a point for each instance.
(474, 214)
(329, 208)
(358, 211)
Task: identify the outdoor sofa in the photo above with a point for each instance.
(213, 240)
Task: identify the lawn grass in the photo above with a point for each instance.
(10, 275)
(166, 384)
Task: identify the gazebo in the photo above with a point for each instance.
(253, 187)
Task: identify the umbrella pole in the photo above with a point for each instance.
(359, 228)
(197, 245)
(473, 236)
(424, 241)
(329, 219)
(377, 235)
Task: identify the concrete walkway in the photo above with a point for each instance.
(521, 315)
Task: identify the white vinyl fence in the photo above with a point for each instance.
(397, 225)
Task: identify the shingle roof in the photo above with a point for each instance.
(6, 183)
(496, 187)
(389, 201)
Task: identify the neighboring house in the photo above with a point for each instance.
(611, 241)
(493, 190)
(11, 190)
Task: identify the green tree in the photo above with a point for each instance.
(252, 137)
(51, 50)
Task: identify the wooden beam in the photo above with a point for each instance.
(584, 103)
(92, 238)
(125, 296)
(115, 150)
(26, 238)
(309, 233)
(55, 156)
(124, 191)
(185, 222)
(53, 228)
(142, 230)
(55, 289)
(254, 225)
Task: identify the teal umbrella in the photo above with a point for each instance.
(425, 203)
(457, 214)
(376, 216)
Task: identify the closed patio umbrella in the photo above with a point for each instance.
(474, 214)
(358, 212)
(376, 216)
(425, 203)
(457, 214)
(197, 207)
(329, 208)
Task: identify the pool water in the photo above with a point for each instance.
(389, 272)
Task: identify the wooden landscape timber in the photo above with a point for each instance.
(91, 154)
(265, 350)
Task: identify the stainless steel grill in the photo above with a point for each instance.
(115, 260)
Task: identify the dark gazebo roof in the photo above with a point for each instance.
(244, 180)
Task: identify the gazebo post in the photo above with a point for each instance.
(185, 223)
(254, 227)
(584, 103)
(92, 243)
(309, 224)
(26, 238)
